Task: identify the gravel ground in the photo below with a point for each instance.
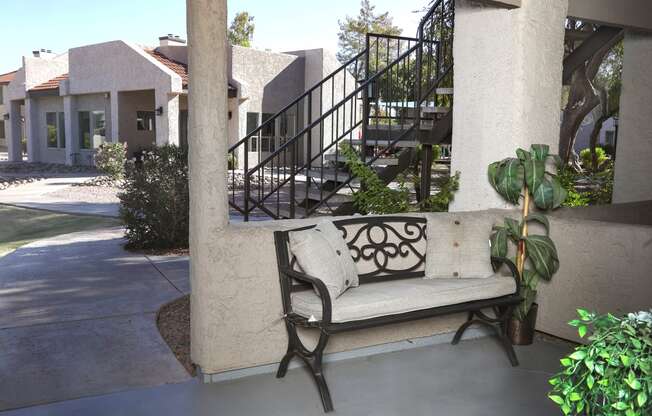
(91, 193)
(9, 181)
(42, 168)
(173, 323)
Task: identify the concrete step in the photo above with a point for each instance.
(385, 161)
(444, 91)
(329, 174)
(435, 110)
(385, 143)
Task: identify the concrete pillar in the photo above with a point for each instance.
(208, 138)
(13, 132)
(115, 117)
(508, 66)
(72, 131)
(634, 149)
(30, 131)
(167, 124)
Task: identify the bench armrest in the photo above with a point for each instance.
(319, 286)
(496, 260)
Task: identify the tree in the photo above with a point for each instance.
(241, 31)
(591, 86)
(353, 31)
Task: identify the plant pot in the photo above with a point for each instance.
(522, 332)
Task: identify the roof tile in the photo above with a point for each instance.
(52, 84)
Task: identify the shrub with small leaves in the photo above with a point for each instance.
(155, 199)
(110, 159)
(612, 375)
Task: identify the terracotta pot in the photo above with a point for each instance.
(522, 332)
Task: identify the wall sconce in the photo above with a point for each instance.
(230, 115)
(5, 116)
(159, 111)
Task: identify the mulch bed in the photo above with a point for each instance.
(173, 321)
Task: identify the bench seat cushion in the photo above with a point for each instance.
(400, 296)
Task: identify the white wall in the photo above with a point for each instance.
(508, 66)
(633, 168)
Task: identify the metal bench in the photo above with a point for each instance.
(390, 254)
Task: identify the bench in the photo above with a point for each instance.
(390, 257)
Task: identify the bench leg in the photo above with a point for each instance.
(499, 324)
(313, 360)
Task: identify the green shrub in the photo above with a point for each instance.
(110, 159)
(155, 199)
(612, 375)
(439, 202)
(587, 159)
(374, 196)
(567, 177)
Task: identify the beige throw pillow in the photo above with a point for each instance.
(458, 247)
(322, 253)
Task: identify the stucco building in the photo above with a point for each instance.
(66, 105)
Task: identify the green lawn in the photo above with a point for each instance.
(19, 226)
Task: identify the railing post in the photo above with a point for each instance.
(365, 101)
(246, 180)
(309, 146)
(426, 150)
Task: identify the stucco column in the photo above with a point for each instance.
(207, 143)
(508, 66)
(633, 174)
(72, 134)
(115, 116)
(13, 133)
(30, 131)
(167, 124)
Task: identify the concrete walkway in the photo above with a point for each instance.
(77, 318)
(36, 195)
(473, 378)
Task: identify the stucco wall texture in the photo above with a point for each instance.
(508, 66)
(633, 168)
(238, 300)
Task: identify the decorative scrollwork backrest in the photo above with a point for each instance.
(386, 248)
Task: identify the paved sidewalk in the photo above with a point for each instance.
(36, 195)
(77, 318)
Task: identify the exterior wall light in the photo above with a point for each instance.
(159, 111)
(6, 116)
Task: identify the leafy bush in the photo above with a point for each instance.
(439, 202)
(587, 159)
(155, 199)
(567, 177)
(375, 197)
(110, 159)
(612, 375)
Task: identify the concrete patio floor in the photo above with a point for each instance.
(472, 378)
(77, 318)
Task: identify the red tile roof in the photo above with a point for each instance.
(7, 78)
(52, 84)
(178, 67)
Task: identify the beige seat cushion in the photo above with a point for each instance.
(322, 253)
(458, 246)
(399, 296)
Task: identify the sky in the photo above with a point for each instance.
(281, 25)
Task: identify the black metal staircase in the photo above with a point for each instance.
(391, 97)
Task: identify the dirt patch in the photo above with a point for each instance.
(173, 321)
(159, 251)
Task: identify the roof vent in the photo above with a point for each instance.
(172, 40)
(43, 53)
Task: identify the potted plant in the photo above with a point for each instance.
(525, 179)
(612, 375)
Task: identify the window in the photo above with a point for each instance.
(2, 129)
(2, 95)
(52, 133)
(267, 134)
(92, 129)
(99, 128)
(252, 124)
(145, 121)
(610, 137)
(84, 130)
(62, 130)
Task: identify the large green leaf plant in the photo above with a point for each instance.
(525, 179)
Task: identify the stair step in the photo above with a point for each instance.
(329, 174)
(435, 110)
(444, 91)
(315, 195)
(385, 161)
(284, 212)
(385, 143)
